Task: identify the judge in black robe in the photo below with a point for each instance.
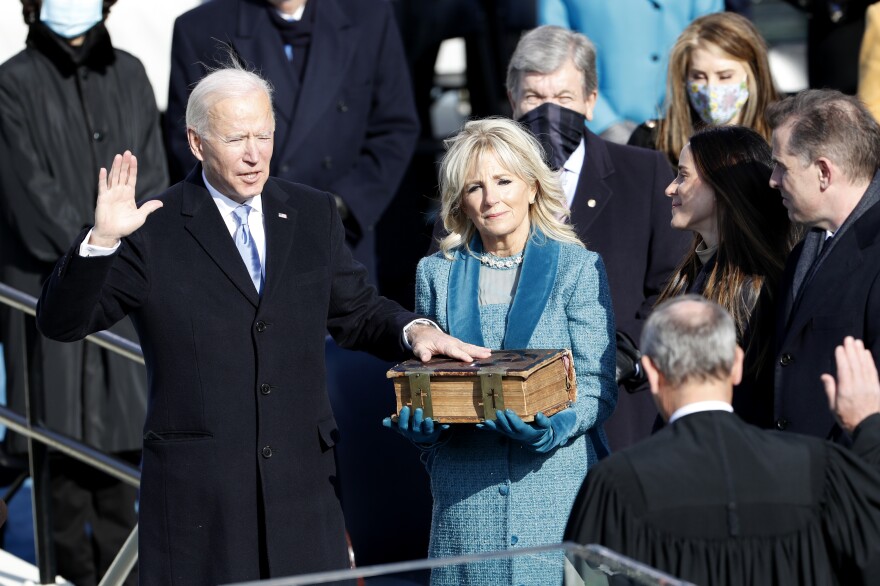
(716, 501)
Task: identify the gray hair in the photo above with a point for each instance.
(690, 338)
(830, 124)
(545, 49)
(520, 153)
(231, 81)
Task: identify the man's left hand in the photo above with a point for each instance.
(428, 341)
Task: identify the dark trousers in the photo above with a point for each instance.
(92, 516)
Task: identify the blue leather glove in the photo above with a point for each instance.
(545, 434)
(418, 430)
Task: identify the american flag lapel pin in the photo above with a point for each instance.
(282, 215)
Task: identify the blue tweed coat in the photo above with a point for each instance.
(491, 493)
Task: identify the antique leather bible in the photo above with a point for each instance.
(451, 391)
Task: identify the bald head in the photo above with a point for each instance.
(690, 339)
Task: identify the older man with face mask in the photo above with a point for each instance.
(68, 102)
(615, 192)
(232, 283)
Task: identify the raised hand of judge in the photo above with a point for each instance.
(419, 429)
(116, 212)
(855, 394)
(541, 437)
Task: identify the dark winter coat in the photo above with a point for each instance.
(349, 126)
(238, 462)
(64, 113)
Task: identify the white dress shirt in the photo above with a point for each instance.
(699, 406)
(571, 172)
(255, 218)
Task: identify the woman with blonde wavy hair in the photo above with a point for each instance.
(511, 274)
(718, 75)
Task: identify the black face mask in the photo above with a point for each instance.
(558, 129)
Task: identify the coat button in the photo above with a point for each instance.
(514, 540)
(504, 490)
(342, 106)
(786, 359)
(781, 424)
(265, 389)
(266, 452)
(261, 326)
(285, 168)
(328, 162)
(98, 136)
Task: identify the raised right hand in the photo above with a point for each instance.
(855, 394)
(116, 212)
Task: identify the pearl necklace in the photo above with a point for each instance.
(490, 260)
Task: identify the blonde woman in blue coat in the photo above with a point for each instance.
(511, 274)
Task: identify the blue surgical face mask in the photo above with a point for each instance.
(71, 18)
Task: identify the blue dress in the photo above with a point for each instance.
(491, 493)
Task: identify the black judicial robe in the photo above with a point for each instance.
(713, 500)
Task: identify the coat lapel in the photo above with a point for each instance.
(593, 192)
(843, 260)
(329, 55)
(207, 227)
(258, 43)
(462, 302)
(532, 292)
(536, 280)
(280, 220)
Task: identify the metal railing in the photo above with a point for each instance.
(41, 439)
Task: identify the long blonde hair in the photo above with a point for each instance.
(738, 38)
(521, 154)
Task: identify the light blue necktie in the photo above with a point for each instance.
(247, 248)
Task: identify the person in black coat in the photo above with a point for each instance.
(232, 283)
(713, 500)
(347, 122)
(826, 146)
(615, 192)
(68, 102)
(834, 37)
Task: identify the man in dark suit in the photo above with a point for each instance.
(346, 119)
(232, 284)
(826, 147)
(714, 500)
(615, 192)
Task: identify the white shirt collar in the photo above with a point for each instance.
(699, 406)
(225, 204)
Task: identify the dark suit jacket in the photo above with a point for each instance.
(842, 299)
(349, 128)
(621, 212)
(716, 501)
(239, 435)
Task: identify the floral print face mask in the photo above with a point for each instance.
(717, 104)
